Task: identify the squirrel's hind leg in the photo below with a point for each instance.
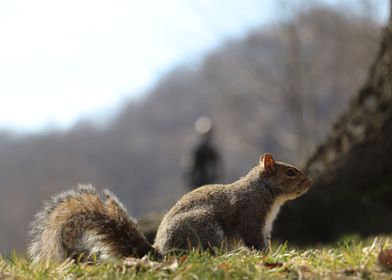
(198, 231)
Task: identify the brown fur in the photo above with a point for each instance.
(84, 222)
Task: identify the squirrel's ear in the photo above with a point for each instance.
(268, 163)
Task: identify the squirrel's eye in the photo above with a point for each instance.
(290, 173)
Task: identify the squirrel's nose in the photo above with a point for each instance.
(306, 182)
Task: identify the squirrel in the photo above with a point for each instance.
(82, 223)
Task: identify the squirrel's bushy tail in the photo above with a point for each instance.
(81, 223)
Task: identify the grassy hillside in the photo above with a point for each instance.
(348, 260)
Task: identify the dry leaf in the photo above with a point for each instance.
(350, 272)
(272, 265)
(182, 259)
(223, 266)
(385, 258)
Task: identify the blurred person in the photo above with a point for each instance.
(205, 166)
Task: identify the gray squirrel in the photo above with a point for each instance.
(82, 223)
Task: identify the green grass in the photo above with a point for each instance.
(347, 260)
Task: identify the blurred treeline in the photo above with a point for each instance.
(276, 89)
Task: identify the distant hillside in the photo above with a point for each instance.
(277, 89)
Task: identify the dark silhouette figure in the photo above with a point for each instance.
(206, 163)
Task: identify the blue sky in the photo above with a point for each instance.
(63, 60)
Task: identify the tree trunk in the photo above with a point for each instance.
(352, 170)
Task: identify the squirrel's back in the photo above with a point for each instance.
(83, 222)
